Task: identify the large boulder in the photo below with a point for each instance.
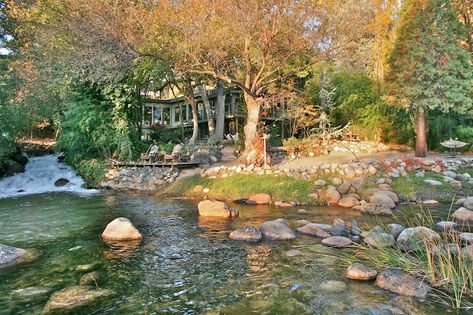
(73, 299)
(277, 230)
(348, 202)
(359, 271)
(398, 281)
(259, 199)
(463, 215)
(313, 229)
(248, 234)
(213, 208)
(413, 239)
(337, 241)
(121, 229)
(10, 256)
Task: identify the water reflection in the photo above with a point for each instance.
(122, 249)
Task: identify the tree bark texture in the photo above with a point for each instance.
(208, 110)
(421, 138)
(220, 111)
(252, 153)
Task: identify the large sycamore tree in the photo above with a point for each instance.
(430, 68)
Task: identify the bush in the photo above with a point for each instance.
(92, 171)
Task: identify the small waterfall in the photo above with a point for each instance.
(40, 176)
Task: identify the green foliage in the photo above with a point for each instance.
(92, 171)
(443, 127)
(411, 184)
(429, 68)
(96, 124)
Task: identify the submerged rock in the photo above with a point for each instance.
(333, 286)
(376, 209)
(359, 271)
(313, 229)
(276, 230)
(10, 256)
(213, 208)
(400, 282)
(90, 278)
(121, 229)
(247, 234)
(30, 293)
(72, 299)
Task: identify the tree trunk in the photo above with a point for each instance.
(189, 94)
(220, 111)
(252, 153)
(421, 139)
(208, 110)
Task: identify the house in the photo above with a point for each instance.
(171, 110)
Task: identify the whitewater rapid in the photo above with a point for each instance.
(39, 177)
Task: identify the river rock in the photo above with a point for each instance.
(313, 230)
(320, 183)
(468, 203)
(332, 196)
(30, 293)
(376, 209)
(446, 226)
(339, 230)
(61, 182)
(72, 299)
(10, 256)
(463, 215)
(382, 199)
(198, 189)
(343, 188)
(348, 202)
(359, 271)
(248, 234)
(466, 238)
(395, 229)
(398, 281)
(433, 182)
(337, 241)
(325, 227)
(281, 204)
(412, 239)
(259, 199)
(293, 252)
(276, 230)
(121, 229)
(333, 286)
(378, 240)
(213, 208)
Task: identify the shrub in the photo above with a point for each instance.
(92, 171)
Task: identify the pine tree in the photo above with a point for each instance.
(429, 68)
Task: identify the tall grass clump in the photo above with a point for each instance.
(441, 262)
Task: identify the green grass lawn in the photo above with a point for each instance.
(283, 188)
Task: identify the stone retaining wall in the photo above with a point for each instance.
(140, 178)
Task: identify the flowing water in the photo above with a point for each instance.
(185, 264)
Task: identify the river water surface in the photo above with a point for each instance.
(185, 265)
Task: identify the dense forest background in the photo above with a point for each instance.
(76, 70)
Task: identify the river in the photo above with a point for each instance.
(185, 264)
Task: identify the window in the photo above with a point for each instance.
(177, 113)
(166, 116)
(157, 115)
